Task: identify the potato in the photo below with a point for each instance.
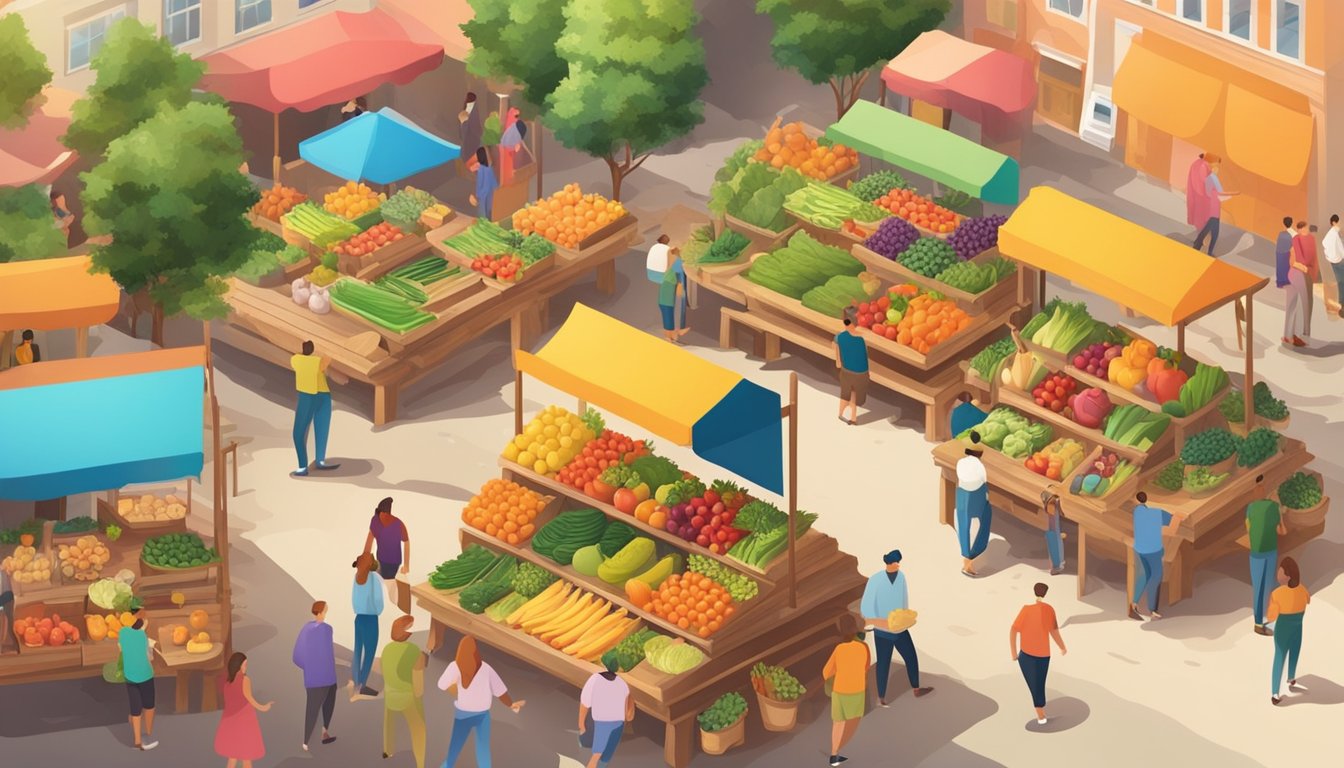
(147, 499)
(171, 499)
(160, 503)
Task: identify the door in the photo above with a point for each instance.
(1060, 93)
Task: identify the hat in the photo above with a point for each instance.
(894, 556)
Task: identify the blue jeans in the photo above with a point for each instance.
(903, 644)
(1287, 643)
(463, 724)
(973, 505)
(485, 206)
(1150, 578)
(366, 645)
(606, 736)
(1210, 230)
(314, 411)
(1262, 579)
(1034, 669)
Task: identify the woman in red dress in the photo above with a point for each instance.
(239, 735)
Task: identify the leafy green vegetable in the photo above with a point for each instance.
(82, 524)
(954, 200)
(258, 265)
(1136, 426)
(1259, 445)
(630, 651)
(877, 184)
(755, 194)
(1233, 407)
(656, 471)
(404, 208)
(504, 606)
(1171, 476)
(759, 548)
(621, 476)
(697, 245)
(495, 582)
(1209, 447)
(1199, 389)
(1266, 404)
(1301, 491)
(1200, 479)
(671, 657)
(530, 580)
(1069, 327)
(760, 516)
(109, 594)
(726, 248)
(738, 160)
(779, 684)
(726, 710)
(986, 361)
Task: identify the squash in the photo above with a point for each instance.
(96, 626)
(199, 644)
(180, 635)
(198, 619)
(1020, 368)
(639, 592)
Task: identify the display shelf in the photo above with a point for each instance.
(1023, 404)
(772, 575)
(986, 301)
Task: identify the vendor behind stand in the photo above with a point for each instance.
(967, 415)
(486, 184)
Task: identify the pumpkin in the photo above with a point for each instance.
(180, 635)
(32, 638)
(198, 619)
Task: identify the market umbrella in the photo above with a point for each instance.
(33, 154)
(382, 147)
(326, 60)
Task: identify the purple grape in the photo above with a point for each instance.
(892, 237)
(975, 236)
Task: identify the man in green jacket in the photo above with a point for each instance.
(1264, 525)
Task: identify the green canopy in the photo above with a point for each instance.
(929, 151)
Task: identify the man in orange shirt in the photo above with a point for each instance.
(846, 676)
(1035, 625)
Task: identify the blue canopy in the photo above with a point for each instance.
(382, 147)
(93, 424)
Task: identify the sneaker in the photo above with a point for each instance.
(324, 466)
(1134, 614)
(1298, 342)
(838, 759)
(1056, 571)
(1261, 629)
(1042, 720)
(1293, 685)
(299, 473)
(1154, 615)
(148, 746)
(328, 739)
(883, 703)
(367, 691)
(1275, 700)
(925, 691)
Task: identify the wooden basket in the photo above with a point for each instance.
(718, 742)
(603, 233)
(777, 716)
(1305, 518)
(148, 569)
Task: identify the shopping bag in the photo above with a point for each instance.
(403, 594)
(586, 738)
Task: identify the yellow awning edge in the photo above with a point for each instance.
(1267, 138)
(1164, 93)
(52, 294)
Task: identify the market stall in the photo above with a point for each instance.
(766, 596)
(146, 410)
(1099, 412)
(33, 153)
(382, 147)
(392, 288)
(53, 294)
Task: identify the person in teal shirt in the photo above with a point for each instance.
(967, 415)
(851, 362)
(1150, 525)
(1264, 526)
(672, 292)
(136, 654)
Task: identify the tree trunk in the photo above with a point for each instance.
(847, 91)
(616, 177)
(156, 325)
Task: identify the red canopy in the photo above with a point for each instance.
(34, 154)
(986, 85)
(327, 60)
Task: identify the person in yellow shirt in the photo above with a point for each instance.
(313, 409)
(27, 352)
(1287, 606)
(846, 676)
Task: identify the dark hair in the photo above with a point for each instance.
(471, 99)
(965, 397)
(1287, 221)
(1300, 224)
(361, 102)
(1142, 497)
(664, 239)
(1211, 158)
(611, 661)
(139, 624)
(401, 628)
(1334, 218)
(522, 129)
(385, 506)
(1041, 588)
(1289, 566)
(848, 322)
(1311, 228)
(319, 607)
(27, 335)
(235, 664)
(482, 156)
(307, 347)
(860, 635)
(894, 556)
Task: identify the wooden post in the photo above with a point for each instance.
(536, 139)
(82, 341)
(793, 489)
(1040, 289)
(6, 343)
(275, 161)
(1249, 402)
(1180, 338)
(221, 515)
(1082, 561)
(517, 402)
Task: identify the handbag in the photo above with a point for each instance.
(586, 737)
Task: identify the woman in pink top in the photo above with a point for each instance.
(239, 734)
(476, 684)
(1213, 203)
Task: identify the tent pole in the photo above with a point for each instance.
(536, 139)
(1040, 290)
(221, 515)
(1248, 401)
(793, 489)
(1180, 338)
(517, 402)
(275, 160)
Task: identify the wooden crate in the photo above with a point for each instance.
(760, 240)
(532, 271)
(108, 510)
(265, 224)
(384, 259)
(586, 244)
(47, 656)
(995, 296)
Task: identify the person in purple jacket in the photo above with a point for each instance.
(315, 654)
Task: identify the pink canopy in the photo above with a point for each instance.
(327, 60)
(991, 87)
(34, 154)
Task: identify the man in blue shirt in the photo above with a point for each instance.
(1150, 525)
(887, 592)
(966, 415)
(486, 184)
(136, 657)
(851, 360)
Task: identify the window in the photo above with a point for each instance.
(1003, 14)
(308, 3)
(1241, 18)
(182, 21)
(251, 13)
(1072, 8)
(84, 40)
(1288, 28)
(1192, 10)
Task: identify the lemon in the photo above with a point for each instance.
(539, 467)
(551, 430)
(566, 441)
(527, 458)
(553, 461)
(511, 452)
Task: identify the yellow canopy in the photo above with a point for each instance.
(51, 294)
(1165, 93)
(674, 394)
(1118, 259)
(1268, 138)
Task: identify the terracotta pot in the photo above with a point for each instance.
(718, 742)
(777, 716)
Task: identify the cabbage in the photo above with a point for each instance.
(110, 594)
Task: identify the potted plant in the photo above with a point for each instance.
(723, 725)
(777, 694)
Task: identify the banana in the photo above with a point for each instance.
(543, 616)
(593, 629)
(584, 601)
(600, 645)
(580, 617)
(542, 598)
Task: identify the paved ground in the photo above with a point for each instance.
(1190, 689)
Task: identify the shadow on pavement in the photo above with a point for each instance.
(1318, 691)
(1061, 715)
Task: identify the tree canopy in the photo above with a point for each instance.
(840, 41)
(517, 41)
(137, 73)
(635, 74)
(171, 197)
(27, 229)
(25, 72)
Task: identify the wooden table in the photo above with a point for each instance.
(1211, 530)
(267, 324)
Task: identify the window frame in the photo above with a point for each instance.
(312, 4)
(1202, 21)
(1255, 18)
(1081, 18)
(237, 17)
(124, 10)
(1301, 57)
(192, 5)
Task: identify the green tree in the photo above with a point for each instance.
(171, 197)
(840, 41)
(137, 73)
(635, 74)
(25, 72)
(27, 230)
(516, 41)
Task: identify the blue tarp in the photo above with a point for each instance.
(97, 434)
(382, 147)
(743, 434)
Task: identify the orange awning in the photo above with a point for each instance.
(51, 294)
(1164, 93)
(34, 153)
(1267, 138)
(1117, 259)
(434, 21)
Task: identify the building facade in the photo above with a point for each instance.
(69, 32)
(1159, 81)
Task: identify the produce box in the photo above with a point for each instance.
(265, 224)
(114, 509)
(586, 244)
(51, 656)
(431, 219)
(383, 260)
(832, 237)
(369, 219)
(993, 298)
(532, 271)
(762, 240)
(452, 291)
